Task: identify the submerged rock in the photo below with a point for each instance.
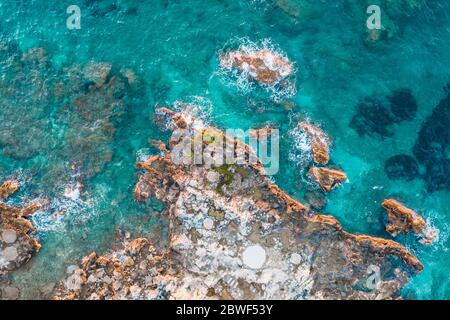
(67, 115)
(320, 142)
(328, 179)
(97, 72)
(316, 199)
(403, 104)
(404, 220)
(263, 65)
(432, 146)
(402, 166)
(247, 240)
(372, 118)
(16, 244)
(292, 8)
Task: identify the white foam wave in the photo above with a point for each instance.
(241, 79)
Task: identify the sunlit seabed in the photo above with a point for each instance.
(172, 46)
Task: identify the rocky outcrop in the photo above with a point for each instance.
(263, 65)
(236, 235)
(320, 142)
(8, 188)
(328, 179)
(404, 220)
(16, 244)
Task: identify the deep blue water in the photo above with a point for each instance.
(172, 48)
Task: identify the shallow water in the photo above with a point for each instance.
(172, 47)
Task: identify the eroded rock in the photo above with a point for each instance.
(8, 188)
(326, 178)
(263, 65)
(404, 220)
(320, 142)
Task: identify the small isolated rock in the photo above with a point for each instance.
(328, 179)
(320, 142)
(265, 66)
(130, 75)
(404, 220)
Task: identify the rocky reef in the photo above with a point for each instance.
(263, 65)
(236, 235)
(69, 113)
(404, 220)
(373, 118)
(402, 166)
(432, 145)
(403, 104)
(17, 246)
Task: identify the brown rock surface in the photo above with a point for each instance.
(264, 65)
(328, 179)
(404, 220)
(319, 142)
(8, 188)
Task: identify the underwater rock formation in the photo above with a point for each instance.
(67, 114)
(320, 142)
(432, 145)
(292, 8)
(25, 88)
(404, 220)
(403, 105)
(372, 118)
(91, 116)
(402, 166)
(263, 65)
(17, 246)
(326, 178)
(316, 199)
(236, 235)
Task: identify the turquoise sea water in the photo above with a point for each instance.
(172, 47)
